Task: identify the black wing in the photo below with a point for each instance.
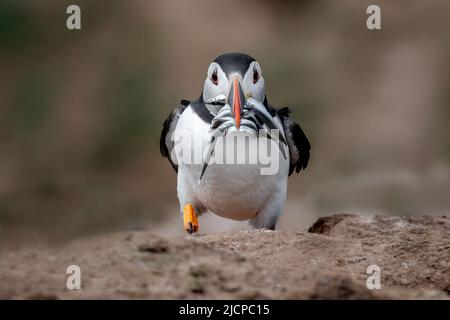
(165, 142)
(299, 146)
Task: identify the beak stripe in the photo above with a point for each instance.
(236, 103)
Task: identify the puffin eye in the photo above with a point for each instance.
(255, 76)
(214, 78)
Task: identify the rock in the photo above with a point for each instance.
(328, 262)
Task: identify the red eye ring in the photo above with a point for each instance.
(255, 76)
(215, 78)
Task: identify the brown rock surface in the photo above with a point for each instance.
(329, 261)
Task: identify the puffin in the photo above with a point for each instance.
(233, 110)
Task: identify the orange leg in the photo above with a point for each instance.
(190, 219)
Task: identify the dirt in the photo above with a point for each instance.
(329, 261)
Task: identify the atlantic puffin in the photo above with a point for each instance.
(232, 104)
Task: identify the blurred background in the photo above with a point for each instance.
(81, 111)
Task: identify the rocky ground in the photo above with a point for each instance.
(329, 261)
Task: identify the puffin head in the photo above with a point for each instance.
(236, 76)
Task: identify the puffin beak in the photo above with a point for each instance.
(236, 99)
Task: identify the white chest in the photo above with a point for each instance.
(243, 173)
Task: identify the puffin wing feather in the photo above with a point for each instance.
(299, 146)
(166, 144)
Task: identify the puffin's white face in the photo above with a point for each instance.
(219, 83)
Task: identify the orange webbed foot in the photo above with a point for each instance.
(190, 219)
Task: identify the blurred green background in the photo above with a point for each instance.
(81, 111)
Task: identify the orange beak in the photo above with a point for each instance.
(236, 99)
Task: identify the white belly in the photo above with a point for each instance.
(235, 189)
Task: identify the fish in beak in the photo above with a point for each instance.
(236, 99)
